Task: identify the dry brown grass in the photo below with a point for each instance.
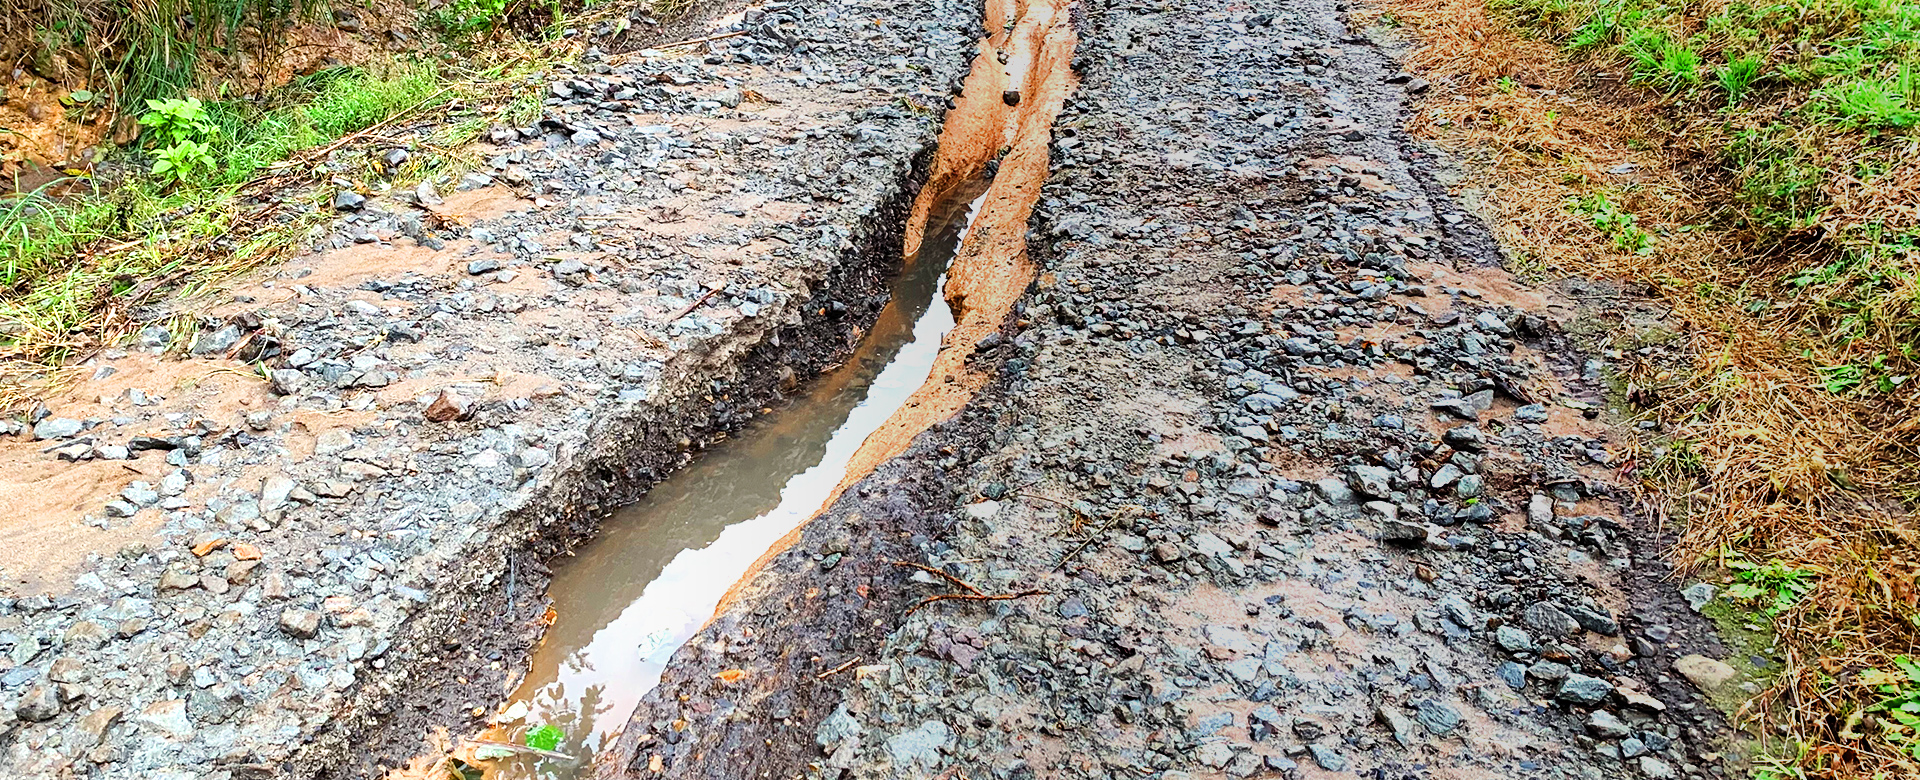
(1785, 469)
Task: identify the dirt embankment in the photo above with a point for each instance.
(462, 380)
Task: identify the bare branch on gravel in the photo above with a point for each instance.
(711, 291)
(838, 669)
(972, 594)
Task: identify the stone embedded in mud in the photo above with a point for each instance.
(169, 718)
(1705, 673)
(176, 578)
(1467, 438)
(57, 428)
(1655, 768)
(1437, 718)
(1539, 511)
(1328, 758)
(1400, 725)
(1606, 725)
(301, 623)
(1698, 595)
(1214, 753)
(1596, 620)
(448, 407)
(348, 200)
(1373, 481)
(40, 703)
(1513, 640)
(1583, 690)
(96, 723)
(274, 493)
(918, 751)
(1403, 532)
(1549, 620)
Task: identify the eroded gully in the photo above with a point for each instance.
(662, 566)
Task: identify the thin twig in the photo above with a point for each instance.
(950, 578)
(973, 594)
(974, 597)
(708, 39)
(521, 749)
(838, 669)
(1052, 500)
(711, 291)
(1091, 538)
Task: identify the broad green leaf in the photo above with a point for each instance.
(545, 738)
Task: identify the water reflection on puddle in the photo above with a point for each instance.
(654, 576)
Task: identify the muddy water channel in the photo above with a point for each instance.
(660, 567)
(654, 576)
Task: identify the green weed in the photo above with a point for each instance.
(183, 161)
(1660, 61)
(1875, 104)
(466, 17)
(1901, 706)
(1775, 585)
(1615, 223)
(1738, 76)
(173, 120)
(547, 737)
(1841, 379)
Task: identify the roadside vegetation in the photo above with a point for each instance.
(67, 263)
(214, 185)
(1756, 165)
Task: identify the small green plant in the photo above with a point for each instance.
(1875, 104)
(468, 17)
(547, 737)
(1841, 379)
(182, 161)
(1775, 584)
(1615, 223)
(1738, 76)
(1901, 687)
(174, 120)
(1661, 62)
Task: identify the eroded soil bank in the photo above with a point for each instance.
(1275, 474)
(303, 576)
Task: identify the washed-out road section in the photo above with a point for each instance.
(215, 575)
(1278, 475)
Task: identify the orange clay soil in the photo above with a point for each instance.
(991, 270)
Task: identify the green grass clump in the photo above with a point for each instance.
(1816, 101)
(201, 157)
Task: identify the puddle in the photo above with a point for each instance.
(661, 565)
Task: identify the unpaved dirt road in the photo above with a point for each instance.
(1257, 463)
(1295, 479)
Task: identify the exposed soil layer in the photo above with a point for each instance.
(1275, 476)
(459, 389)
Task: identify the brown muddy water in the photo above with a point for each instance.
(653, 577)
(661, 567)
